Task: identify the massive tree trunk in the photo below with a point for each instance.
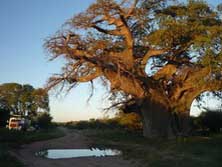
(157, 120)
(160, 121)
(181, 124)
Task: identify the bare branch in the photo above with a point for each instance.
(110, 32)
(132, 8)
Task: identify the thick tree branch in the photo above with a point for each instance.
(151, 53)
(123, 29)
(166, 72)
(89, 77)
(192, 84)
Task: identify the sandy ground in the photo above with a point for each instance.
(72, 140)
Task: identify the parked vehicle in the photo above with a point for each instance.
(18, 122)
(15, 123)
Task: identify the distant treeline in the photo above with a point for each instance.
(130, 121)
(206, 123)
(210, 121)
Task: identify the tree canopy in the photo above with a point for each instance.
(117, 41)
(22, 99)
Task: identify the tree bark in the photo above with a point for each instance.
(181, 124)
(160, 121)
(157, 120)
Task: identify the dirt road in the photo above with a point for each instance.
(72, 140)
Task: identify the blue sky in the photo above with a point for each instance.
(24, 26)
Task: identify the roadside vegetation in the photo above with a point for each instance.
(23, 101)
(12, 139)
(203, 148)
(208, 122)
(6, 160)
(192, 151)
(131, 122)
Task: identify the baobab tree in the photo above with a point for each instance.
(117, 41)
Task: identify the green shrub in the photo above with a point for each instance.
(123, 121)
(208, 121)
(94, 124)
(212, 120)
(130, 121)
(44, 120)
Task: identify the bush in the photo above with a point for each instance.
(94, 124)
(4, 116)
(121, 121)
(44, 120)
(210, 121)
(130, 121)
(11, 136)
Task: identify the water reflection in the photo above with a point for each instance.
(75, 153)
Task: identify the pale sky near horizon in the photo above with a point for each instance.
(25, 24)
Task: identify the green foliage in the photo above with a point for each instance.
(192, 29)
(95, 124)
(196, 151)
(130, 122)
(212, 120)
(22, 98)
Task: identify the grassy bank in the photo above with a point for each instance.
(195, 151)
(14, 139)
(6, 160)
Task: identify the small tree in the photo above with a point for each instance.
(44, 120)
(20, 99)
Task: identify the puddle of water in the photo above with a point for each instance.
(75, 153)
